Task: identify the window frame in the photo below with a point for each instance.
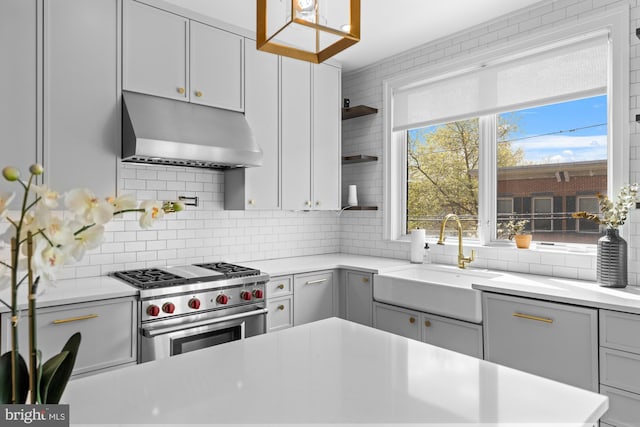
(615, 21)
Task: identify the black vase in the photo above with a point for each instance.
(612, 260)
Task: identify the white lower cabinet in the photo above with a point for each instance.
(280, 303)
(620, 367)
(452, 334)
(313, 297)
(556, 341)
(108, 329)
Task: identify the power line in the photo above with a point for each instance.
(552, 133)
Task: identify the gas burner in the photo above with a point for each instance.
(230, 270)
(150, 278)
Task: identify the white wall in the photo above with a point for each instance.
(210, 233)
(362, 232)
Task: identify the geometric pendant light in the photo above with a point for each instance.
(310, 30)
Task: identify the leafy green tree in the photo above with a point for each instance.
(443, 171)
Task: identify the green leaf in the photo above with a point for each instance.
(49, 369)
(6, 379)
(56, 373)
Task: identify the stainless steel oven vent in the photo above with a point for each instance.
(169, 132)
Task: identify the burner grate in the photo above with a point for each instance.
(149, 278)
(230, 270)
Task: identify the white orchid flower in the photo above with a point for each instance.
(58, 231)
(123, 203)
(47, 260)
(48, 197)
(152, 211)
(5, 200)
(87, 207)
(88, 239)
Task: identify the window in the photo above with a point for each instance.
(522, 169)
(588, 204)
(442, 178)
(554, 155)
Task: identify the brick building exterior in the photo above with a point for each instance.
(547, 195)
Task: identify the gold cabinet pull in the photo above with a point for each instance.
(412, 320)
(427, 323)
(313, 282)
(181, 90)
(365, 280)
(281, 307)
(198, 94)
(281, 286)
(536, 318)
(252, 202)
(74, 319)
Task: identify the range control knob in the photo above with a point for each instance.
(168, 307)
(153, 310)
(258, 293)
(194, 303)
(222, 299)
(245, 295)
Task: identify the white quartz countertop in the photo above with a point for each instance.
(71, 291)
(577, 292)
(334, 372)
(303, 264)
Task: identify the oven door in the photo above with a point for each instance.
(165, 340)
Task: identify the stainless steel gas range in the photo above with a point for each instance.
(186, 308)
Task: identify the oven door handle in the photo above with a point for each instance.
(152, 332)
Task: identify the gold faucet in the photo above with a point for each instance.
(461, 258)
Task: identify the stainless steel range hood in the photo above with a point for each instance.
(168, 132)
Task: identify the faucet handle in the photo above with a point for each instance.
(473, 255)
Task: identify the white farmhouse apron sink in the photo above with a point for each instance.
(434, 289)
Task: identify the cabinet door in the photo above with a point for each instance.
(463, 337)
(81, 108)
(155, 51)
(312, 297)
(296, 134)
(326, 137)
(216, 66)
(280, 314)
(359, 297)
(108, 330)
(262, 184)
(397, 321)
(19, 86)
(552, 340)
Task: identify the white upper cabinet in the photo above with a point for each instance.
(296, 134)
(258, 188)
(18, 85)
(216, 62)
(310, 136)
(326, 137)
(81, 95)
(171, 56)
(155, 51)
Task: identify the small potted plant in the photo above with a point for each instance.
(515, 229)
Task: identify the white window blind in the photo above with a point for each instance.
(559, 73)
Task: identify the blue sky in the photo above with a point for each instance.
(571, 131)
(563, 132)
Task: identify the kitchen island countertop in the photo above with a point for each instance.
(334, 372)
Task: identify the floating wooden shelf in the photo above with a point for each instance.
(358, 158)
(361, 208)
(357, 111)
